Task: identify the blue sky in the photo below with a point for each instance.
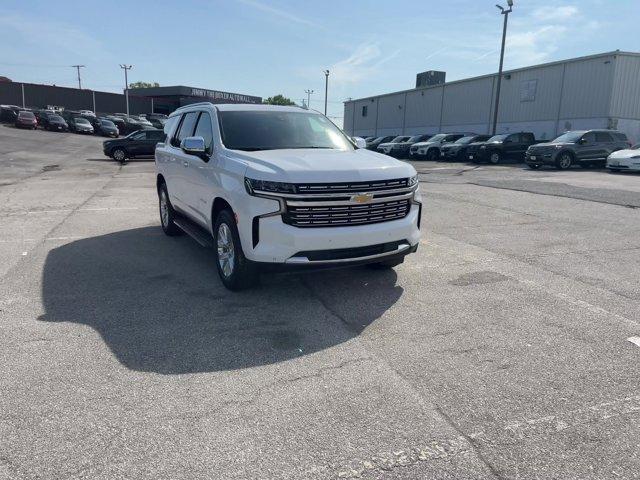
(265, 47)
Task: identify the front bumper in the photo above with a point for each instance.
(627, 165)
(540, 158)
(280, 243)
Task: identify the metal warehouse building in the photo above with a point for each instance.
(597, 91)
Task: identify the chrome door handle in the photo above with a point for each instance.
(186, 164)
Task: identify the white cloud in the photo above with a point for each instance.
(276, 12)
(359, 65)
(555, 14)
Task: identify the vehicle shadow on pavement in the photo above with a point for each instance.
(158, 304)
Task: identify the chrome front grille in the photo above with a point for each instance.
(346, 215)
(351, 187)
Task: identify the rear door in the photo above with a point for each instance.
(605, 143)
(136, 144)
(152, 137)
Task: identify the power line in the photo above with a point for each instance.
(78, 67)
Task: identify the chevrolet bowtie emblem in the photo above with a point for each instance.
(362, 197)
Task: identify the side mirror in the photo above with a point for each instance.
(582, 141)
(360, 142)
(194, 146)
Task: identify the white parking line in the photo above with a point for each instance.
(634, 340)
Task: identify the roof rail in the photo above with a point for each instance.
(194, 105)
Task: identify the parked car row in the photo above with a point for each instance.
(587, 148)
(81, 121)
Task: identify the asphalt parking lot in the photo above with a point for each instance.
(499, 350)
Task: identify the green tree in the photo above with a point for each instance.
(279, 100)
(144, 84)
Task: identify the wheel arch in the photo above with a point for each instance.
(219, 204)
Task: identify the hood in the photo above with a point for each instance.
(386, 144)
(422, 144)
(316, 166)
(626, 153)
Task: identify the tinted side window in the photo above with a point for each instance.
(589, 137)
(514, 138)
(204, 129)
(156, 135)
(527, 137)
(168, 127)
(603, 137)
(186, 128)
(621, 137)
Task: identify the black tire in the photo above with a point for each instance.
(167, 213)
(386, 265)
(433, 154)
(235, 271)
(564, 161)
(119, 154)
(495, 157)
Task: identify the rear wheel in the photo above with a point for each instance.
(495, 157)
(235, 271)
(564, 161)
(167, 213)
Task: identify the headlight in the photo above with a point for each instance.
(266, 186)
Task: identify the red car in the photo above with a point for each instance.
(26, 119)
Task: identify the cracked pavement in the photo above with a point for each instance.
(498, 350)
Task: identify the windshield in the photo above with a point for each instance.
(569, 137)
(437, 138)
(497, 138)
(275, 130)
(82, 121)
(26, 115)
(55, 118)
(464, 140)
(107, 123)
(415, 138)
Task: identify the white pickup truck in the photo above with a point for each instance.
(282, 188)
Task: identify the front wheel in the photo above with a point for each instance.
(495, 157)
(235, 271)
(564, 161)
(119, 155)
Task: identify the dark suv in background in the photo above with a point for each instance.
(587, 148)
(457, 150)
(510, 146)
(373, 144)
(401, 149)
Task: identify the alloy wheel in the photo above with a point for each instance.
(226, 250)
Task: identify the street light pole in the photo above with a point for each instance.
(326, 89)
(308, 92)
(126, 83)
(78, 67)
(506, 13)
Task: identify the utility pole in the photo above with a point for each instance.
(506, 13)
(78, 67)
(126, 83)
(326, 89)
(308, 92)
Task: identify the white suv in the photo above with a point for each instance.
(282, 187)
